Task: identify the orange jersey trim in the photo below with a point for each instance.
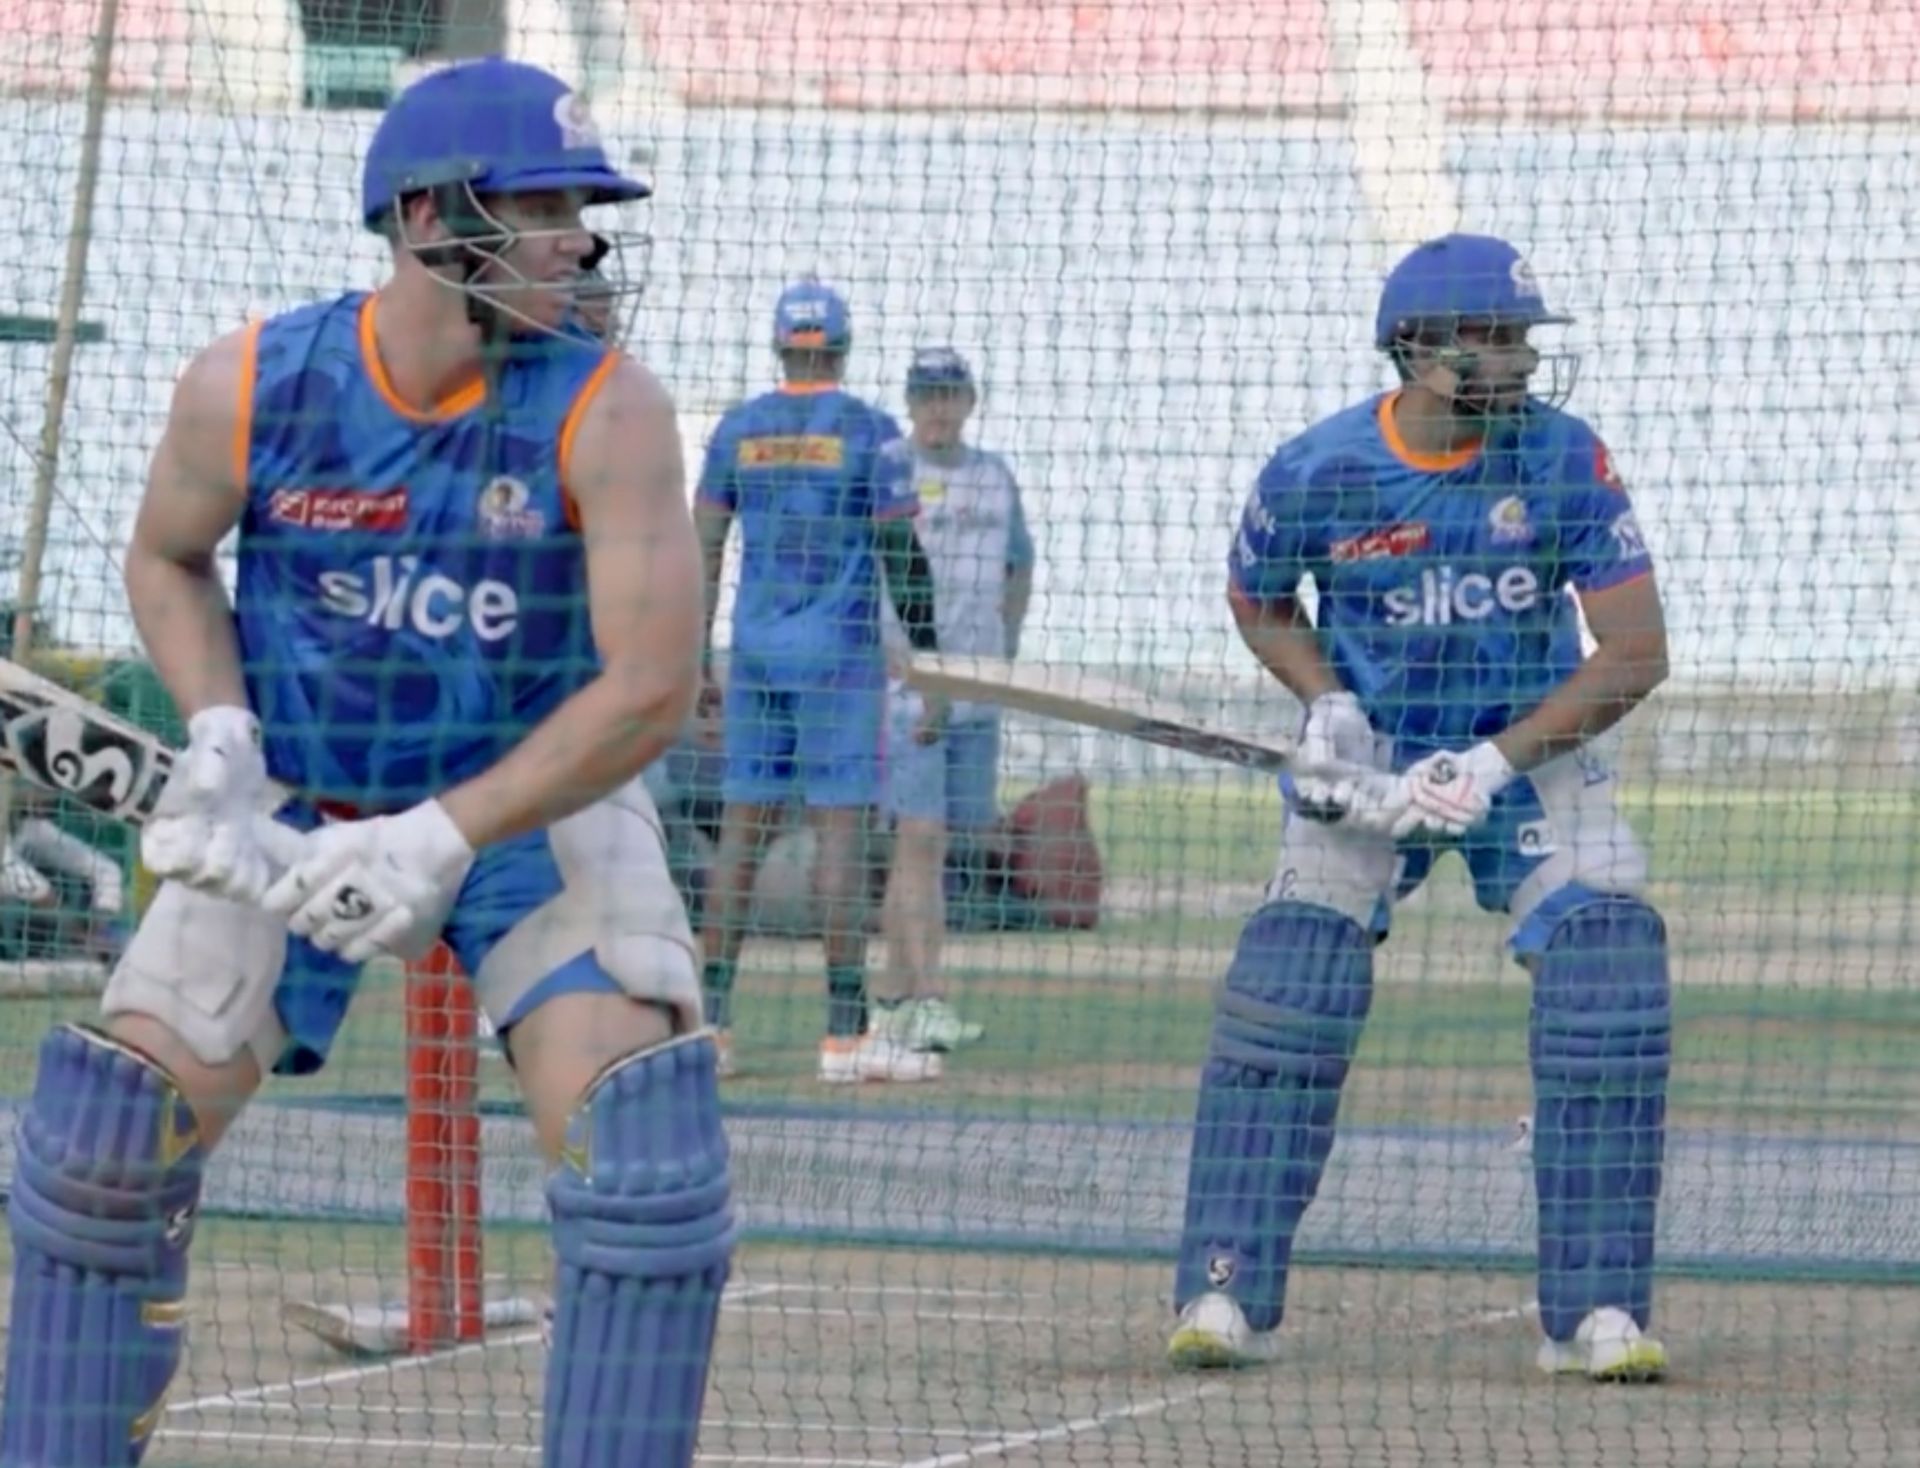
(242, 448)
(460, 400)
(1425, 463)
(570, 428)
(808, 389)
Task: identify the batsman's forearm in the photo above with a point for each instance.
(1284, 641)
(712, 529)
(587, 748)
(1607, 687)
(186, 624)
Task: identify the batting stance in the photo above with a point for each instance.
(467, 614)
(1454, 529)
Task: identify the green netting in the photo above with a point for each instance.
(1157, 231)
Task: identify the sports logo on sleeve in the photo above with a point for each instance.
(1603, 469)
(1627, 537)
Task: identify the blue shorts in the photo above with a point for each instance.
(956, 779)
(820, 740)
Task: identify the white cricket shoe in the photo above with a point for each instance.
(1213, 1333)
(876, 1056)
(1607, 1347)
(928, 1025)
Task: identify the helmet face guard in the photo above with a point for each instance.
(471, 134)
(1447, 294)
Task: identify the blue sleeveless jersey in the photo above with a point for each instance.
(411, 596)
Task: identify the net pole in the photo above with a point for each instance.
(444, 1303)
(73, 288)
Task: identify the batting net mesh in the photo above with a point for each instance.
(1157, 229)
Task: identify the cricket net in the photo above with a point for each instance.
(1157, 230)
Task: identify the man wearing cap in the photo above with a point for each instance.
(819, 482)
(1455, 529)
(975, 531)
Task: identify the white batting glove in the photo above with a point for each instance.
(1337, 734)
(209, 829)
(378, 886)
(1449, 794)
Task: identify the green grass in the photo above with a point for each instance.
(1119, 1039)
(1226, 829)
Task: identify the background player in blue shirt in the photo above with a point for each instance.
(467, 614)
(1448, 527)
(819, 482)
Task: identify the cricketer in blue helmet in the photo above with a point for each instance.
(1455, 529)
(818, 481)
(466, 616)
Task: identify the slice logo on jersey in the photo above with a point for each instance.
(503, 511)
(1443, 596)
(1508, 522)
(793, 451)
(397, 593)
(1388, 542)
(931, 491)
(340, 509)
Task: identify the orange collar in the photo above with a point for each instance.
(1427, 463)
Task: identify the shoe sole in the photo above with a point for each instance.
(1202, 1350)
(1644, 1361)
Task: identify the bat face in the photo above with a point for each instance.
(58, 740)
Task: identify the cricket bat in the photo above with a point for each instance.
(1094, 703)
(52, 737)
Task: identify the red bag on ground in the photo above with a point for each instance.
(1054, 859)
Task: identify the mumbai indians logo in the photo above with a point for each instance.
(577, 127)
(1508, 521)
(103, 768)
(503, 511)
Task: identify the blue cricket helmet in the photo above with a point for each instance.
(938, 369)
(1460, 277)
(810, 316)
(496, 126)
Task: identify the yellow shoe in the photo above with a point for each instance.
(1607, 1347)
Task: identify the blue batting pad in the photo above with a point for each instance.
(1601, 1043)
(106, 1181)
(1284, 1031)
(644, 1234)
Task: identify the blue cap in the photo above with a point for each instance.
(499, 126)
(1456, 277)
(811, 317)
(937, 369)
